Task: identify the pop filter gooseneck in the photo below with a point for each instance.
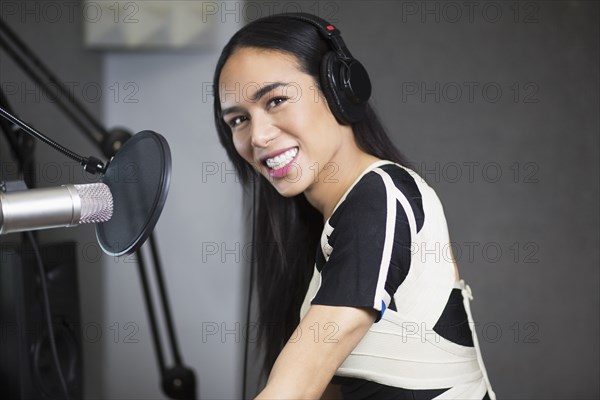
(138, 177)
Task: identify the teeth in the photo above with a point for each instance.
(282, 160)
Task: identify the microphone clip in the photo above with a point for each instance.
(93, 165)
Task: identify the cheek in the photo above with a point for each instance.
(321, 120)
(244, 149)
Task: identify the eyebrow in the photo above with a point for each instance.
(257, 96)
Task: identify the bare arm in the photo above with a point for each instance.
(332, 392)
(318, 346)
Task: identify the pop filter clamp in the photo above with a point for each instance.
(177, 381)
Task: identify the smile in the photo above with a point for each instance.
(281, 160)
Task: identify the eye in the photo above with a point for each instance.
(236, 121)
(275, 101)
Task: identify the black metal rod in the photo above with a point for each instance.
(9, 131)
(22, 147)
(44, 70)
(165, 302)
(151, 314)
(60, 103)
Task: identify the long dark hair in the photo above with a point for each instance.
(285, 261)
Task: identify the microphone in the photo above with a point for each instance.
(138, 176)
(55, 207)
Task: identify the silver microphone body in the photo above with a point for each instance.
(54, 207)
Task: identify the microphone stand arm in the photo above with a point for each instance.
(22, 147)
(36, 70)
(178, 381)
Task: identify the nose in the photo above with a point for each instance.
(263, 132)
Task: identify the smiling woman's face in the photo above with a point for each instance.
(279, 120)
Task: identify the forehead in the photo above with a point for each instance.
(249, 69)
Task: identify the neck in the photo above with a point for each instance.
(334, 181)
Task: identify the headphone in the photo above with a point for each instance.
(344, 80)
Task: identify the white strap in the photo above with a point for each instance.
(326, 249)
(389, 184)
(467, 296)
(390, 227)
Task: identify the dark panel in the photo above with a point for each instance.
(27, 369)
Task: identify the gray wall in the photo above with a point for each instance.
(526, 240)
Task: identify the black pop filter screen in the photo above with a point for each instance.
(138, 177)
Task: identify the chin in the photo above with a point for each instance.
(287, 189)
(288, 186)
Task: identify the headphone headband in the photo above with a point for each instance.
(328, 31)
(344, 80)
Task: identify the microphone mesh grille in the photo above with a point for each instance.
(96, 203)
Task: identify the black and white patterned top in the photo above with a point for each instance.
(386, 247)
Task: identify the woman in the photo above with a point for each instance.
(373, 306)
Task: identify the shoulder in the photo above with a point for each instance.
(369, 196)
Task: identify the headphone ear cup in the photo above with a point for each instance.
(333, 73)
(328, 83)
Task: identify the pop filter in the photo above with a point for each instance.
(138, 177)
